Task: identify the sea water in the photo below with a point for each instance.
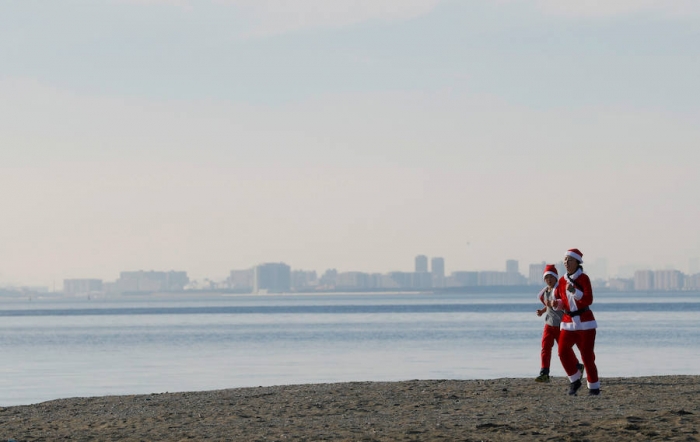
(58, 348)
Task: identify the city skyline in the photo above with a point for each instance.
(353, 134)
(528, 274)
(281, 278)
(597, 268)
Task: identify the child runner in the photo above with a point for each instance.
(552, 320)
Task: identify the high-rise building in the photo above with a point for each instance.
(421, 263)
(535, 273)
(437, 269)
(513, 276)
(272, 277)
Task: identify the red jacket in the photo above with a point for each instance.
(581, 299)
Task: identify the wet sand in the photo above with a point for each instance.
(642, 408)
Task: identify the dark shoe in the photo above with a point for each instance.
(574, 386)
(581, 368)
(543, 377)
(594, 392)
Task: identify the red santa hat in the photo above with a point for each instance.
(576, 254)
(550, 269)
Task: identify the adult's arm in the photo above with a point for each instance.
(584, 291)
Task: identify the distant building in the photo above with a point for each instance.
(535, 274)
(328, 279)
(354, 281)
(692, 282)
(377, 280)
(513, 276)
(643, 280)
(176, 281)
(437, 269)
(463, 279)
(422, 280)
(241, 280)
(421, 264)
(402, 279)
(515, 279)
(151, 281)
(82, 286)
(387, 282)
(302, 279)
(272, 277)
(668, 280)
(490, 278)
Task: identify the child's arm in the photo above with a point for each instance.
(540, 296)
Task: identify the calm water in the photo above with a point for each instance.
(58, 348)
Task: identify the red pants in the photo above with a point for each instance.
(585, 341)
(549, 335)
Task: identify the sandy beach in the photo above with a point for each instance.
(642, 408)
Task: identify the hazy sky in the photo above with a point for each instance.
(210, 135)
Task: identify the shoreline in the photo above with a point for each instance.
(507, 409)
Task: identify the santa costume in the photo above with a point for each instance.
(578, 326)
(552, 321)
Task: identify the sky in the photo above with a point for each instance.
(211, 135)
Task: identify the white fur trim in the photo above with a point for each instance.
(572, 326)
(576, 256)
(571, 298)
(550, 273)
(574, 275)
(540, 295)
(575, 377)
(593, 385)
